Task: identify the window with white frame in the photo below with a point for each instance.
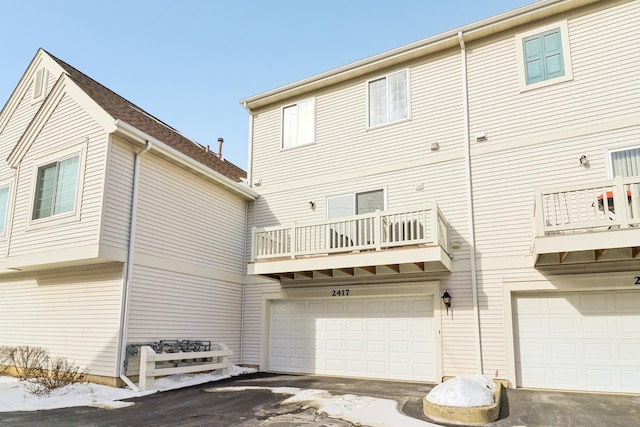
(544, 56)
(625, 162)
(389, 98)
(4, 207)
(56, 188)
(298, 123)
(355, 203)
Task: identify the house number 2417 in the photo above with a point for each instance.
(340, 293)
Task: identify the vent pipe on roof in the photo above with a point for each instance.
(220, 142)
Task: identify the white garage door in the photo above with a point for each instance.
(388, 338)
(578, 341)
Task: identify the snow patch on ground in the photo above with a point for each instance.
(360, 410)
(465, 391)
(14, 397)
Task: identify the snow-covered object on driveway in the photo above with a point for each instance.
(464, 391)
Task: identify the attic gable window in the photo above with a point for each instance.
(298, 123)
(389, 98)
(56, 187)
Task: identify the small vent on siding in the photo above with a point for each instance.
(39, 84)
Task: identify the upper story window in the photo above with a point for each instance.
(389, 98)
(298, 123)
(544, 56)
(56, 187)
(625, 162)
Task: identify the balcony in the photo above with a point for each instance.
(360, 246)
(594, 222)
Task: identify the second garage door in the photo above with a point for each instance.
(390, 338)
(579, 341)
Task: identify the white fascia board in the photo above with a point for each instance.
(40, 59)
(63, 86)
(535, 11)
(160, 147)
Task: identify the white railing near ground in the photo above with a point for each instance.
(148, 359)
(599, 206)
(373, 231)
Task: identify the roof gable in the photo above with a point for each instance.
(63, 86)
(40, 60)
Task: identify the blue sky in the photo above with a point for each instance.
(190, 62)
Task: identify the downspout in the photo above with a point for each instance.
(124, 317)
(246, 227)
(250, 159)
(470, 213)
(244, 277)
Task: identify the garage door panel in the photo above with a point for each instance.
(581, 341)
(367, 337)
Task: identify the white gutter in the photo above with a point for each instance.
(536, 10)
(470, 212)
(124, 318)
(166, 150)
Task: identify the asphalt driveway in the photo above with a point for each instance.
(193, 406)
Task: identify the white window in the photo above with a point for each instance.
(355, 204)
(544, 56)
(4, 207)
(298, 123)
(56, 188)
(346, 234)
(624, 162)
(389, 98)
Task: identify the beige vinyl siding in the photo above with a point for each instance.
(253, 318)
(604, 87)
(75, 313)
(458, 331)
(185, 218)
(118, 193)
(342, 137)
(175, 306)
(505, 182)
(69, 125)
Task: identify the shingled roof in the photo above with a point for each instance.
(121, 109)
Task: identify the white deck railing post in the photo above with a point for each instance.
(292, 236)
(254, 249)
(377, 232)
(538, 214)
(435, 224)
(620, 202)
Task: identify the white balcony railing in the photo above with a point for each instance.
(374, 231)
(600, 206)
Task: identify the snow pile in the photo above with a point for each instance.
(359, 410)
(464, 391)
(16, 398)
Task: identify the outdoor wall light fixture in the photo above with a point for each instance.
(446, 299)
(584, 161)
(312, 205)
